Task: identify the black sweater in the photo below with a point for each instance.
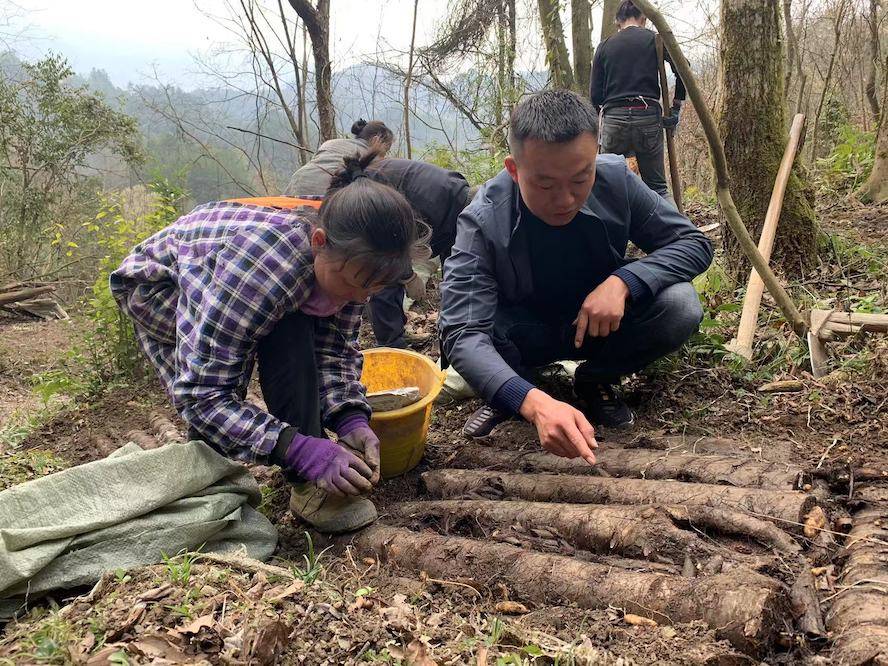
(625, 66)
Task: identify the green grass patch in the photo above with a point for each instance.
(19, 466)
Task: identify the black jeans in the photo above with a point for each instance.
(649, 330)
(639, 132)
(387, 316)
(288, 375)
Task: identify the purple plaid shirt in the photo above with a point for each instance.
(205, 290)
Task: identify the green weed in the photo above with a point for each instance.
(179, 566)
(20, 466)
(313, 567)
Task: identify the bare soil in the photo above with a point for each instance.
(366, 608)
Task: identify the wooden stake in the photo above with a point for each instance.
(742, 344)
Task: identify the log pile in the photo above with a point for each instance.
(32, 299)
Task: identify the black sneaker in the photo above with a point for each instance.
(483, 421)
(605, 407)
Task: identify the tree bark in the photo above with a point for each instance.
(609, 13)
(581, 36)
(317, 23)
(790, 509)
(744, 607)
(872, 96)
(752, 124)
(560, 71)
(841, 9)
(875, 189)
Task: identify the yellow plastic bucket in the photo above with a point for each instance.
(402, 432)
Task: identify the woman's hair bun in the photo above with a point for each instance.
(359, 126)
(353, 168)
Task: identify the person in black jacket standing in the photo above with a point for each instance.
(625, 89)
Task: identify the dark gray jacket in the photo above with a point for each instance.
(491, 260)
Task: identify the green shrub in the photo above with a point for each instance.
(851, 161)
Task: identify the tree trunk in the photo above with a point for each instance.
(827, 82)
(560, 72)
(752, 123)
(872, 96)
(317, 23)
(609, 13)
(408, 80)
(875, 189)
(581, 35)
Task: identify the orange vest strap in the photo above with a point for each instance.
(277, 202)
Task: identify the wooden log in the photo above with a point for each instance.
(43, 308)
(859, 613)
(745, 608)
(755, 288)
(24, 294)
(670, 532)
(788, 508)
(640, 463)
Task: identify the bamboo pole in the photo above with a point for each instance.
(723, 192)
(742, 344)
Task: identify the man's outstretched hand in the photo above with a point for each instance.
(602, 311)
(562, 429)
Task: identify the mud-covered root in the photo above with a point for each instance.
(858, 617)
(639, 464)
(663, 534)
(165, 430)
(787, 507)
(744, 607)
(143, 439)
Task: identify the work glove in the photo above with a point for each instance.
(355, 433)
(328, 465)
(415, 287)
(671, 122)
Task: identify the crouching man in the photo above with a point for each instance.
(539, 274)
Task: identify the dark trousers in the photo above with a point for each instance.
(649, 330)
(288, 375)
(639, 132)
(387, 317)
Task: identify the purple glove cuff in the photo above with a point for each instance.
(351, 423)
(310, 456)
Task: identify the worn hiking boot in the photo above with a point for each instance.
(605, 407)
(483, 421)
(328, 513)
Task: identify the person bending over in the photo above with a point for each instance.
(438, 196)
(314, 178)
(539, 274)
(230, 283)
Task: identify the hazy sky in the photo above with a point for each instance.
(127, 38)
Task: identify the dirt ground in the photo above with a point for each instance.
(357, 608)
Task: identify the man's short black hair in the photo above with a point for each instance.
(626, 11)
(551, 116)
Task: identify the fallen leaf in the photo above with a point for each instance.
(819, 571)
(399, 615)
(416, 654)
(157, 647)
(786, 386)
(157, 593)
(198, 624)
(263, 645)
(83, 648)
(103, 656)
(639, 621)
(668, 632)
(289, 591)
(511, 608)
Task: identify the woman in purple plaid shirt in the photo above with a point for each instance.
(230, 283)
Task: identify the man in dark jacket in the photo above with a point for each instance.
(625, 89)
(539, 273)
(438, 196)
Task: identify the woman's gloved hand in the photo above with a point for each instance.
(354, 432)
(329, 465)
(415, 288)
